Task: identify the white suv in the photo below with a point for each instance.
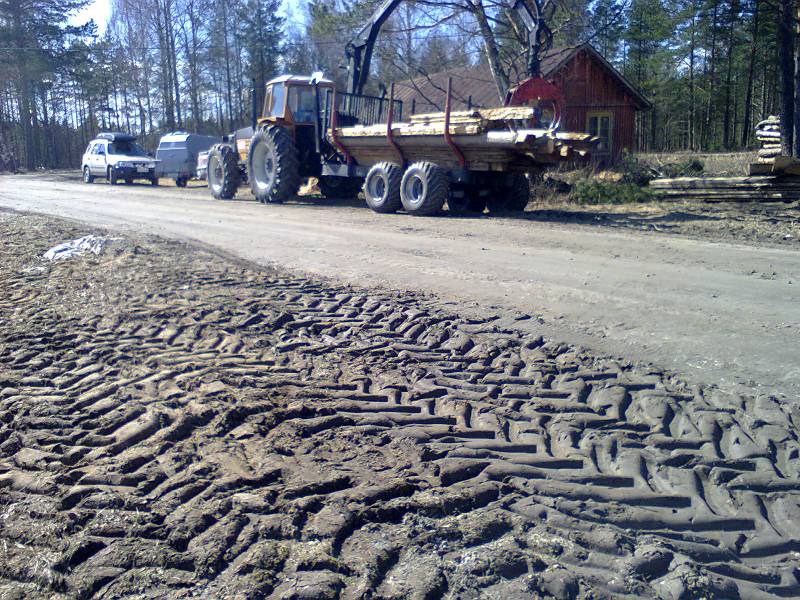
(117, 156)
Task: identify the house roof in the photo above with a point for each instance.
(477, 84)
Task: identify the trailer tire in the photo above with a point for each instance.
(273, 166)
(513, 196)
(339, 187)
(181, 182)
(424, 189)
(382, 187)
(469, 202)
(223, 172)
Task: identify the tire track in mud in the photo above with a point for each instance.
(174, 424)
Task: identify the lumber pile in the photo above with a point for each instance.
(486, 136)
(727, 189)
(768, 134)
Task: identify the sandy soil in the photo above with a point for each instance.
(174, 423)
(716, 308)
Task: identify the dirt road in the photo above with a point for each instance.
(178, 425)
(719, 313)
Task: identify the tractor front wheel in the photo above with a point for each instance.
(273, 167)
(223, 172)
(424, 189)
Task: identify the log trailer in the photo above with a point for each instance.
(353, 142)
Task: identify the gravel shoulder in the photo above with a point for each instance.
(717, 312)
(177, 424)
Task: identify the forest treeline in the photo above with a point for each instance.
(711, 69)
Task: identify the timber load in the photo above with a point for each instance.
(492, 139)
(727, 189)
(768, 134)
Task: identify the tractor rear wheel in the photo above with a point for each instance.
(382, 187)
(273, 166)
(424, 189)
(223, 172)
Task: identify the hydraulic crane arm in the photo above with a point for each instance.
(359, 49)
(540, 38)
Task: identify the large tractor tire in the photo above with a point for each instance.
(339, 187)
(223, 172)
(382, 187)
(273, 166)
(512, 196)
(424, 189)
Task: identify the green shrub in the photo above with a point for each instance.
(599, 192)
(634, 170)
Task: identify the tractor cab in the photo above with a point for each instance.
(291, 100)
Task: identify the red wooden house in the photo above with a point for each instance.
(597, 98)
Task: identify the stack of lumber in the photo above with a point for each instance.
(463, 122)
(727, 189)
(489, 137)
(768, 133)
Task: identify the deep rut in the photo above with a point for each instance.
(174, 424)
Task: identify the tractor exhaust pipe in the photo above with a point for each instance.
(254, 96)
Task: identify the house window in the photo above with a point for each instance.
(599, 124)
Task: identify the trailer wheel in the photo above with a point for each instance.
(465, 199)
(424, 189)
(223, 172)
(273, 166)
(513, 196)
(181, 182)
(382, 187)
(339, 187)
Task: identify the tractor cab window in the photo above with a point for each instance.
(273, 102)
(302, 103)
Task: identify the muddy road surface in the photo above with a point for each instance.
(176, 424)
(717, 312)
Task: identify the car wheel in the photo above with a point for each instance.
(87, 175)
(154, 181)
(112, 177)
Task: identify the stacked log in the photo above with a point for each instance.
(768, 133)
(727, 189)
(491, 139)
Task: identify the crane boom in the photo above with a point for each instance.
(359, 49)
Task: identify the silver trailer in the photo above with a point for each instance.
(178, 155)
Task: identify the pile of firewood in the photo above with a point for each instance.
(768, 133)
